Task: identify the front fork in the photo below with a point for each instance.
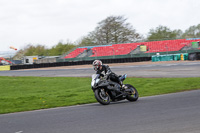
(103, 92)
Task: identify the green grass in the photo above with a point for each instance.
(32, 93)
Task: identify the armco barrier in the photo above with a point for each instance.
(107, 61)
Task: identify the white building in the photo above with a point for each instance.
(30, 59)
(39, 59)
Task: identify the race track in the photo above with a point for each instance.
(171, 113)
(173, 69)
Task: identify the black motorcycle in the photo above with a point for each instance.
(106, 90)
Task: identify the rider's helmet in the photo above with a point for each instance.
(96, 64)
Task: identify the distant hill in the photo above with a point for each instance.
(7, 54)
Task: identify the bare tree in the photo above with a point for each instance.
(113, 30)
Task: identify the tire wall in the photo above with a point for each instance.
(56, 64)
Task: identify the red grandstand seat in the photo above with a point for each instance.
(75, 53)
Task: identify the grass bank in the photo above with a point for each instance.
(32, 93)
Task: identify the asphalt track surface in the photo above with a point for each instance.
(172, 69)
(171, 113)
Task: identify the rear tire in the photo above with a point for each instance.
(133, 96)
(102, 97)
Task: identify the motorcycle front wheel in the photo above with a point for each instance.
(102, 96)
(132, 94)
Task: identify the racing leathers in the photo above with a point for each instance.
(105, 70)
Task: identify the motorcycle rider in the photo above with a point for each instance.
(104, 70)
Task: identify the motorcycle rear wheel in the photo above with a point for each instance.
(133, 95)
(102, 96)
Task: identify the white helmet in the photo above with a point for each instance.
(96, 64)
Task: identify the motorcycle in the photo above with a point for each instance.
(106, 90)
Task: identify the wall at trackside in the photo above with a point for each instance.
(5, 68)
(107, 61)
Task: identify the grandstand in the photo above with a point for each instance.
(134, 48)
(75, 53)
(127, 52)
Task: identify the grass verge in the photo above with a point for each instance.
(32, 93)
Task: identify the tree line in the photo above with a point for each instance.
(42, 50)
(112, 30)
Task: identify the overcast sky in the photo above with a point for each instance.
(47, 22)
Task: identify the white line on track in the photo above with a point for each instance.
(19, 132)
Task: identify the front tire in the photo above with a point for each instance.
(132, 95)
(102, 96)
